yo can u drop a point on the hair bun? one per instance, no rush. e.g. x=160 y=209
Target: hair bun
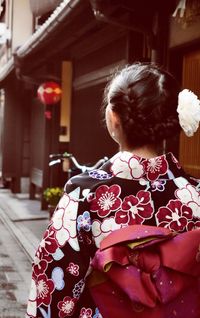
x=145 y=98
x=163 y=130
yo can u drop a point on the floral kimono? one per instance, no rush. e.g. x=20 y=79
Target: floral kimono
x=157 y=206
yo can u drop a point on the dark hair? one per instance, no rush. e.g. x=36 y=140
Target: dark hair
x=145 y=97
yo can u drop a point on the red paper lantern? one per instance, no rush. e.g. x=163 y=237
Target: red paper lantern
x=49 y=93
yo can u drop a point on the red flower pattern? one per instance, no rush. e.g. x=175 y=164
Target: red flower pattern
x=135 y=209
x=155 y=167
x=41 y=261
x=106 y=200
x=39 y=266
x=66 y=307
x=122 y=217
x=117 y=211
x=174 y=216
x=192 y=225
x=45 y=288
x=48 y=243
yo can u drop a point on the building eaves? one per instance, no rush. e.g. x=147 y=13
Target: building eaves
x=43 y=33
x=47 y=28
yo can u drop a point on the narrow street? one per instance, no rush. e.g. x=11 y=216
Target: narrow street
x=21 y=228
x=83 y=80
x=15 y=269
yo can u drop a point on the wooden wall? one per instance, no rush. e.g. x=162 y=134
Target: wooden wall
x=190 y=147
x=15 y=158
x=92 y=68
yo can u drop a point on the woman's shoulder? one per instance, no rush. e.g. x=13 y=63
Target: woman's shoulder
x=88 y=180
x=124 y=168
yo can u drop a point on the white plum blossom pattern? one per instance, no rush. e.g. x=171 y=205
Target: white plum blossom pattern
x=64 y=201
x=126 y=191
x=85 y=313
x=73 y=269
x=101 y=229
x=128 y=166
x=125 y=165
x=64 y=222
x=32 y=306
x=191 y=197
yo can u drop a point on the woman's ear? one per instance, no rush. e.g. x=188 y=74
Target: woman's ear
x=115 y=121
x=112 y=119
x=113 y=124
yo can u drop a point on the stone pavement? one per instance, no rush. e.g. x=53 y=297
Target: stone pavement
x=15 y=269
x=21 y=226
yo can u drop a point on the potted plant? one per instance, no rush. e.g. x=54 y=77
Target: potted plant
x=52 y=196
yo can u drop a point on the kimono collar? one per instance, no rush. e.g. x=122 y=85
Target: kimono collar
x=125 y=165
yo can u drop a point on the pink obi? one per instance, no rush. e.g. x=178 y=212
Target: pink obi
x=146 y=271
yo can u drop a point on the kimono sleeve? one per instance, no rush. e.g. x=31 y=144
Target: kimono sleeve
x=61 y=261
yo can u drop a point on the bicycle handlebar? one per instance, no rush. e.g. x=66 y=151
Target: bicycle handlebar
x=83 y=168
x=54 y=162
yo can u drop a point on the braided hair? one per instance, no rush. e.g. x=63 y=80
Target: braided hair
x=145 y=97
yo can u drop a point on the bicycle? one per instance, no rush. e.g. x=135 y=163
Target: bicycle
x=70 y=165
x=67 y=159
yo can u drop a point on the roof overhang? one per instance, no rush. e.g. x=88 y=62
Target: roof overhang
x=35 y=49
x=42 y=36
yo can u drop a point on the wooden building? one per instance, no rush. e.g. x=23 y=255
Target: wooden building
x=78 y=45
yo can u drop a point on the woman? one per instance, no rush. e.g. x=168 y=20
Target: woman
x=146 y=196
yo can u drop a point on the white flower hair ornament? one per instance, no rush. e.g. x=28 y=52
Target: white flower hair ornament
x=188 y=111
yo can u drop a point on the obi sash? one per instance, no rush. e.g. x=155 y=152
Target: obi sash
x=145 y=271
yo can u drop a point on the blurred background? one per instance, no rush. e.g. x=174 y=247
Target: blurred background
x=55 y=59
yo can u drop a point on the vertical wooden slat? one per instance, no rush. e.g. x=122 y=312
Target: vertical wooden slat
x=65 y=113
x=190 y=147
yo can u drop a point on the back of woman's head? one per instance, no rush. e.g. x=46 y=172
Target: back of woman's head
x=145 y=97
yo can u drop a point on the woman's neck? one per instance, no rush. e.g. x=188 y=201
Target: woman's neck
x=144 y=152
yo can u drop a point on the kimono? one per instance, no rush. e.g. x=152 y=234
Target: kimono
x=156 y=205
